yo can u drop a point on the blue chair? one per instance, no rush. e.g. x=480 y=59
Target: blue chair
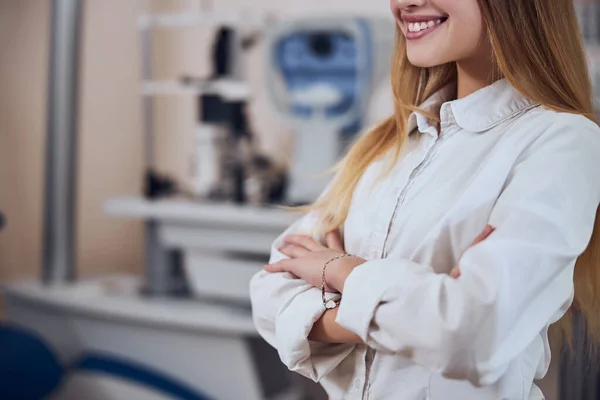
x=29 y=370
x=122 y=369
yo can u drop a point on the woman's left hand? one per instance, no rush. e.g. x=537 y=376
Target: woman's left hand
x=307 y=258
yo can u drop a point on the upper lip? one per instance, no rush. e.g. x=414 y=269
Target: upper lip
x=420 y=18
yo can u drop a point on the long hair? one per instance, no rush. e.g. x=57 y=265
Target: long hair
x=537 y=47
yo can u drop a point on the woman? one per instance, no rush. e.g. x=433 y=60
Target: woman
x=488 y=166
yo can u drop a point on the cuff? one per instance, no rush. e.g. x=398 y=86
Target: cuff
x=360 y=298
x=364 y=290
x=293 y=326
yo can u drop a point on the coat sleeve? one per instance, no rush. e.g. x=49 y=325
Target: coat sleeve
x=284 y=310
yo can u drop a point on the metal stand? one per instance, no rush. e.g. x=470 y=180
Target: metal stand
x=157 y=263
x=157 y=260
x=61 y=143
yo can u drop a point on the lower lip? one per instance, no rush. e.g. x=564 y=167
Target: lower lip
x=420 y=34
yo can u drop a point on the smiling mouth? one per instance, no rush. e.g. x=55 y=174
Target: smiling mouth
x=425 y=25
x=418 y=29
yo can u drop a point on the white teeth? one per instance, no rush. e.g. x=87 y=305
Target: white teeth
x=420 y=26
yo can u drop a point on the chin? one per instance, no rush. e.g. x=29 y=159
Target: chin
x=425 y=61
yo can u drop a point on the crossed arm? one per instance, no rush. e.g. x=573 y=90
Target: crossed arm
x=304 y=253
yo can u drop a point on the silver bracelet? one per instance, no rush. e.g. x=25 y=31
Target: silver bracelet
x=331 y=304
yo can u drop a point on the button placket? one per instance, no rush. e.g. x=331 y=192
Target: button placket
x=380 y=240
x=387 y=204
x=431 y=146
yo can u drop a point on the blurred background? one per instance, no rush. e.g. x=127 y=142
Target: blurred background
x=144 y=145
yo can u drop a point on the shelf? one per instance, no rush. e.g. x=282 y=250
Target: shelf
x=227 y=89
x=192 y=19
x=189 y=212
x=118 y=298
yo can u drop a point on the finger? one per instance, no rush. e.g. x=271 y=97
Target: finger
x=455 y=273
x=293 y=251
x=280 y=266
x=487 y=231
x=334 y=240
x=304 y=241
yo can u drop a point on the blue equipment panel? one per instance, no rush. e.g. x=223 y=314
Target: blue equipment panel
x=307 y=58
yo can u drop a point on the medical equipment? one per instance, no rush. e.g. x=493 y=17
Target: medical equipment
x=207 y=342
x=222 y=128
x=194 y=343
x=227 y=164
x=321 y=72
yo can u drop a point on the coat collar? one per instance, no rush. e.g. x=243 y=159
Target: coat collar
x=477 y=112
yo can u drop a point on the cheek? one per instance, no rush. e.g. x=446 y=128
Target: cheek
x=466 y=35
x=467 y=28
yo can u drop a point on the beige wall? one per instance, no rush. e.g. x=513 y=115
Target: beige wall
x=109 y=163
x=23 y=27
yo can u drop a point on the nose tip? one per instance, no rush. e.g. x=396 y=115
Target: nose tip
x=409 y=3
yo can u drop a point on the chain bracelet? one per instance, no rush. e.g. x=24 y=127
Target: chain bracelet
x=331 y=303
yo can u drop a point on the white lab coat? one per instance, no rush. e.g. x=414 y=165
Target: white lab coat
x=500 y=159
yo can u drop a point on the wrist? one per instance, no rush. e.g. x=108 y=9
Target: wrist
x=340 y=272
x=326 y=330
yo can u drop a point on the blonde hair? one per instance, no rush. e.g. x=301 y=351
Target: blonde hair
x=538 y=49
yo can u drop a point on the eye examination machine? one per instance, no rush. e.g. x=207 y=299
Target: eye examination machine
x=321 y=75
x=184 y=329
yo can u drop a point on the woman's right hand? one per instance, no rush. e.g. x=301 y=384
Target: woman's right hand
x=487 y=231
